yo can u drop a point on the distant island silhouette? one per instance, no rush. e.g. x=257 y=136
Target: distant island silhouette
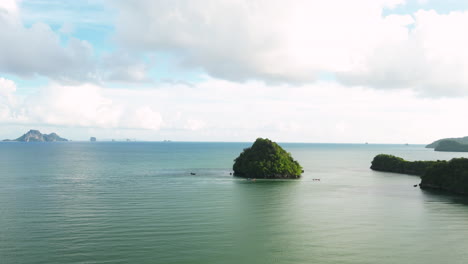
x=451 y=146
x=461 y=140
x=36 y=136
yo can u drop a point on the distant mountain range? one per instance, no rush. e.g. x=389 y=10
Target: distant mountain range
x=462 y=140
x=36 y=136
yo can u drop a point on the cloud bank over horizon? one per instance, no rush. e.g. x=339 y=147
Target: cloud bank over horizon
x=296 y=42
x=233 y=70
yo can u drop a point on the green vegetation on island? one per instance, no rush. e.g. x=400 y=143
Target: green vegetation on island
x=452 y=146
x=450 y=176
x=266 y=159
x=36 y=136
x=390 y=163
x=462 y=140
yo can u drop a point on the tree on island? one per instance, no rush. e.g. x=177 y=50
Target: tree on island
x=390 y=163
x=450 y=176
x=266 y=159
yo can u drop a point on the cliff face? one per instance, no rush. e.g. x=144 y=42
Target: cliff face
x=36 y=136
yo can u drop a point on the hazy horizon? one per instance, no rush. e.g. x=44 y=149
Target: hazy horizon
x=129 y=139
x=387 y=71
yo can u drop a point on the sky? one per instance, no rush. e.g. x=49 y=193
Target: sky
x=335 y=71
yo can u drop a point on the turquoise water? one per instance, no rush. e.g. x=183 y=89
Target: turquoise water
x=137 y=203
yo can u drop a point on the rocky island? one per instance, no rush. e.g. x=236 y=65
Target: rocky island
x=266 y=159
x=450 y=176
x=36 y=136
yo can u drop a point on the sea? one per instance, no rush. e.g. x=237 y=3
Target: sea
x=139 y=202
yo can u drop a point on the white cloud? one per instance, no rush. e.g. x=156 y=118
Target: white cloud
x=240 y=40
x=7 y=89
x=120 y=66
x=38 y=50
x=7 y=99
x=74 y=106
x=82 y=105
x=143 y=118
x=220 y=110
x=261 y=39
x=9 y=9
x=193 y=124
x=431 y=58
x=296 y=41
x=262 y=60
x=67 y=28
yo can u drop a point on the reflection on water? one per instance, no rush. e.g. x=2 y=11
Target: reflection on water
x=138 y=203
x=439 y=196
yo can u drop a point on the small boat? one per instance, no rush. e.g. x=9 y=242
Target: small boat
x=193 y=173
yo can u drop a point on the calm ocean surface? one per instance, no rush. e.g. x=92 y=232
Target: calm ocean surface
x=136 y=202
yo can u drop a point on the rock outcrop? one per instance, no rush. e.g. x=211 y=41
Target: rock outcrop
x=36 y=136
x=266 y=159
